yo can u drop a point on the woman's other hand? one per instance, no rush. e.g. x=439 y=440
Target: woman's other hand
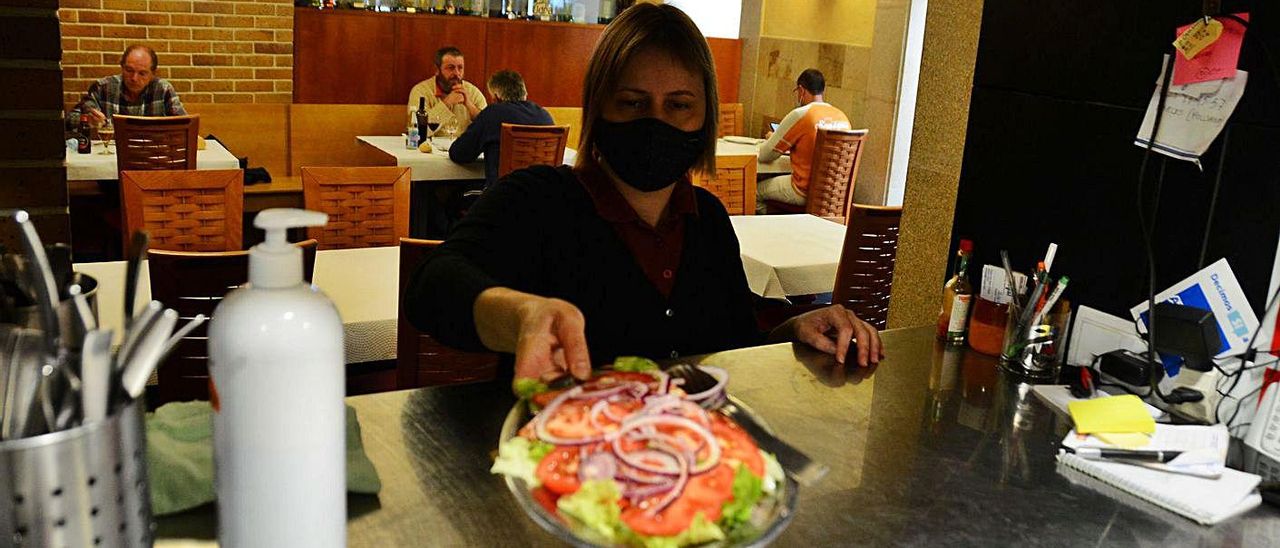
x=832 y=329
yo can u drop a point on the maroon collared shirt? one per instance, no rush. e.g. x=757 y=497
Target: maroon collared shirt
x=656 y=249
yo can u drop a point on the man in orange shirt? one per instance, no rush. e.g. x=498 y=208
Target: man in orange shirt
x=796 y=134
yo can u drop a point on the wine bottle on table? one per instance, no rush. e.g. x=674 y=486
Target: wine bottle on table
x=83 y=144
x=957 y=295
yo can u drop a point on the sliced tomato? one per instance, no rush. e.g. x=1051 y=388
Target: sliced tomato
x=558 y=471
x=736 y=445
x=709 y=490
x=571 y=420
x=546 y=499
x=669 y=522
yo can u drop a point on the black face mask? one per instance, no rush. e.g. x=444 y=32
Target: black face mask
x=647 y=153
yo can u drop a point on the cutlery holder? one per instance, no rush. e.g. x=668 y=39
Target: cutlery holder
x=86 y=486
x=68 y=325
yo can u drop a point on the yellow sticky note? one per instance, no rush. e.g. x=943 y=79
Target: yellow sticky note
x=1120 y=414
x=1198 y=36
x=1124 y=441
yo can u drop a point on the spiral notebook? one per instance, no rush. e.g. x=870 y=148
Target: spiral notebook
x=1206 y=501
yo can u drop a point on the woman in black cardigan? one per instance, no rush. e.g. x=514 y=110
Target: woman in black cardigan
x=620 y=253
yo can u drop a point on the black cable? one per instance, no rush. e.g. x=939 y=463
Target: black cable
x=1213 y=200
x=1152 y=364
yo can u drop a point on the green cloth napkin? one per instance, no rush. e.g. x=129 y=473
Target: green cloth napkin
x=180 y=457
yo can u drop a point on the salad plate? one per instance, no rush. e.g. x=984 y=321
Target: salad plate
x=670 y=418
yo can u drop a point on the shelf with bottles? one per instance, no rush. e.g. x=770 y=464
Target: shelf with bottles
x=559 y=11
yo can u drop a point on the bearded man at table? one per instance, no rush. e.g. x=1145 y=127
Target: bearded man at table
x=136 y=91
x=448 y=96
x=796 y=134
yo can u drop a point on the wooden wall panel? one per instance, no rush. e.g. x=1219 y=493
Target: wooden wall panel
x=728 y=57
x=418 y=38
x=259 y=131
x=344 y=57
x=325 y=135
x=355 y=57
x=552 y=57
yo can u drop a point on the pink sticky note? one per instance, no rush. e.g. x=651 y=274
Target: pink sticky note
x=1216 y=61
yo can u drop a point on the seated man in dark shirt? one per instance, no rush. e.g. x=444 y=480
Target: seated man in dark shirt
x=510 y=106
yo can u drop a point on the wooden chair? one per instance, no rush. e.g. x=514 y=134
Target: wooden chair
x=195 y=283
x=367 y=206
x=731 y=120
x=865 y=274
x=523 y=146
x=734 y=183
x=765 y=120
x=420 y=359
x=145 y=143
x=836 y=153
x=185 y=210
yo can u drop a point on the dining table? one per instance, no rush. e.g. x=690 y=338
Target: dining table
x=102 y=167
x=789 y=255
x=363 y=282
x=436 y=165
x=934 y=446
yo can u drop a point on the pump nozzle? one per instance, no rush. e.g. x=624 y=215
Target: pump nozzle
x=275 y=262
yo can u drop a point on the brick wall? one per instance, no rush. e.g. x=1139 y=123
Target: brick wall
x=212 y=51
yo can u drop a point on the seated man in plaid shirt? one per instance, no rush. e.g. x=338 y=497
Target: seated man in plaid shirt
x=135 y=91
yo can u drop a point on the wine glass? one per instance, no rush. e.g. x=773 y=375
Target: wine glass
x=433 y=124
x=451 y=128
x=106 y=134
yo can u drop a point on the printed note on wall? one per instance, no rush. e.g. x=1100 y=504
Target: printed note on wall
x=1194 y=115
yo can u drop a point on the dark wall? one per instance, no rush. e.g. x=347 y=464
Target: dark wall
x=1059 y=92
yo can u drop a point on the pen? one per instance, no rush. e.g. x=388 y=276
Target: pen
x=1052 y=300
x=1008 y=277
x=1103 y=453
x=1048 y=257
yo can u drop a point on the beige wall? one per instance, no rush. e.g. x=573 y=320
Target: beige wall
x=857 y=44
x=847 y=22
x=937 y=149
x=212 y=51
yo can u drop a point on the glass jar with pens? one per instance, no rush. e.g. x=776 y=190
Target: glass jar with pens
x=1036 y=326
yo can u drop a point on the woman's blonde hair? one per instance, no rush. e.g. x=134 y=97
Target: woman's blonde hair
x=641 y=27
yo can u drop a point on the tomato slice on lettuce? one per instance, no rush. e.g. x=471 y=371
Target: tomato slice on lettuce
x=736 y=445
x=671 y=521
x=558 y=471
x=709 y=490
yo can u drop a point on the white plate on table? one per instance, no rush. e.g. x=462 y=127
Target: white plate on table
x=743 y=140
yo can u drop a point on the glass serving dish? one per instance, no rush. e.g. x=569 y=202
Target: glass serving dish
x=770 y=517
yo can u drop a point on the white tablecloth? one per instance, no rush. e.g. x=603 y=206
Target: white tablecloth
x=434 y=165
x=777 y=167
x=102 y=167
x=789 y=254
x=362 y=283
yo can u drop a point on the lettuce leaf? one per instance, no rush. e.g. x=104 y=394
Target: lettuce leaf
x=525 y=388
x=634 y=364
x=773 y=474
x=700 y=530
x=595 y=506
x=519 y=457
x=747 y=490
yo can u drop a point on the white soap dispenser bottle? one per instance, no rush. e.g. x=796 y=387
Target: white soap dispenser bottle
x=277 y=382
